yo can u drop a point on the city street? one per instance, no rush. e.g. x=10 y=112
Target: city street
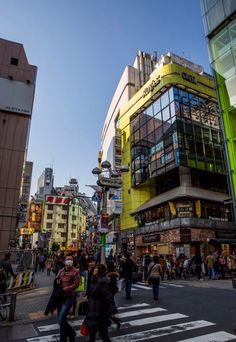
x=186 y=311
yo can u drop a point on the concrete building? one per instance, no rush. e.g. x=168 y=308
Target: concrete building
x=17 y=86
x=45 y=183
x=173 y=196
x=25 y=193
x=219 y=18
x=63 y=221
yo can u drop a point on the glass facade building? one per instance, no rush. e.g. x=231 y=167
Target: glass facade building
x=219 y=18
x=179 y=129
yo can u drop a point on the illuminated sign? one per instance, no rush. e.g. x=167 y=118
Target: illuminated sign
x=26 y=231
x=151 y=86
x=59 y=200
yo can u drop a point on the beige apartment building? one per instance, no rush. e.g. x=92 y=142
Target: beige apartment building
x=17 y=87
x=65 y=222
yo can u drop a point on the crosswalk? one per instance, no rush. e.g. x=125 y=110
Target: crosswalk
x=143 y=321
x=142 y=286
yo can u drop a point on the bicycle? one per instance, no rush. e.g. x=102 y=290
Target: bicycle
x=4 y=306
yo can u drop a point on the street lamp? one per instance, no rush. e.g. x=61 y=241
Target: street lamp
x=113 y=181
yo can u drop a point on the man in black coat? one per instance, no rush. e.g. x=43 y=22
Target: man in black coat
x=127 y=267
x=101 y=305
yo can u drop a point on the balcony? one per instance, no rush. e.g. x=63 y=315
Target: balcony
x=188 y=222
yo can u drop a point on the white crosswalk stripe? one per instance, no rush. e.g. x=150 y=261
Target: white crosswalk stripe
x=146 y=326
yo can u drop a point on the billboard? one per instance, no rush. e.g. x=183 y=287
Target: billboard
x=16 y=96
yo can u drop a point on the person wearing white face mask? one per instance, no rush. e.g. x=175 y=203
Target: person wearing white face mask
x=68 y=279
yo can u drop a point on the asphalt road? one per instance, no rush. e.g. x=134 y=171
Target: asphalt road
x=183 y=313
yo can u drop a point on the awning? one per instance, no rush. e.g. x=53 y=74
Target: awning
x=182 y=191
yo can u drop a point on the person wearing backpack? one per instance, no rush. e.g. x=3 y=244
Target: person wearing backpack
x=127 y=268
x=154 y=275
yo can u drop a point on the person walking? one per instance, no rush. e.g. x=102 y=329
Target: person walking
x=49 y=263
x=154 y=274
x=41 y=262
x=127 y=268
x=68 y=279
x=6 y=264
x=210 y=260
x=101 y=305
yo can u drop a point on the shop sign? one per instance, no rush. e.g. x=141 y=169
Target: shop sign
x=59 y=200
x=189 y=77
x=26 y=231
x=227 y=234
x=151 y=238
x=184 y=209
x=109 y=182
x=185 y=235
x=151 y=86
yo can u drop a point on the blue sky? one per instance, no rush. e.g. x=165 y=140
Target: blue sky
x=81 y=48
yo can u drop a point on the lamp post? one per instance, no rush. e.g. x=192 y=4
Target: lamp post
x=113 y=181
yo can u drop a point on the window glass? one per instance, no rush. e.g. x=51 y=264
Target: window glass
x=149 y=111
x=171 y=94
x=224 y=65
x=166 y=114
x=220 y=44
x=157 y=106
x=215 y=15
x=164 y=100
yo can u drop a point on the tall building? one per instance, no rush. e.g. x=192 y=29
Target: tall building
x=25 y=193
x=17 y=86
x=133 y=78
x=173 y=196
x=219 y=18
x=45 y=183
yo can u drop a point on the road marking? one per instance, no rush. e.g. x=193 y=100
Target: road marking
x=220 y=336
x=155 y=319
x=139 y=312
x=172 y=329
x=174 y=285
x=55 y=326
x=49 y=338
x=142 y=287
x=161 y=287
x=128 y=306
x=49 y=327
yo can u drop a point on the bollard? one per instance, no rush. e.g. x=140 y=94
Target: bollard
x=12 y=308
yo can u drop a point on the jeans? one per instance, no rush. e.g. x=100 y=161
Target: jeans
x=128 y=285
x=65 y=329
x=211 y=272
x=155 y=287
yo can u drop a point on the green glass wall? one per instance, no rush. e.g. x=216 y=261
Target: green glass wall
x=219 y=18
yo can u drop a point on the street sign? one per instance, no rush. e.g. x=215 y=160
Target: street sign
x=103 y=230
x=109 y=182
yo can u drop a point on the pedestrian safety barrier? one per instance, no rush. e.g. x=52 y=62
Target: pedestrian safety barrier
x=22 y=280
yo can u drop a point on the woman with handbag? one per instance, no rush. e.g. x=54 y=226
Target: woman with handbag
x=101 y=305
x=154 y=274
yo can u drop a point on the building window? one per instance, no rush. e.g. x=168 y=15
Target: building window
x=63 y=235
x=73 y=226
x=73 y=235
x=49 y=216
x=64 y=207
x=73 y=217
x=64 y=217
x=50 y=207
x=63 y=244
x=61 y=225
x=49 y=225
x=14 y=61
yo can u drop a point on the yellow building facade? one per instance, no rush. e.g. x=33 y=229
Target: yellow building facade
x=163 y=127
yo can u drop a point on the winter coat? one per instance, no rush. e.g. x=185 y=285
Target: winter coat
x=69 y=280
x=56 y=298
x=101 y=303
x=113 y=276
x=127 y=268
